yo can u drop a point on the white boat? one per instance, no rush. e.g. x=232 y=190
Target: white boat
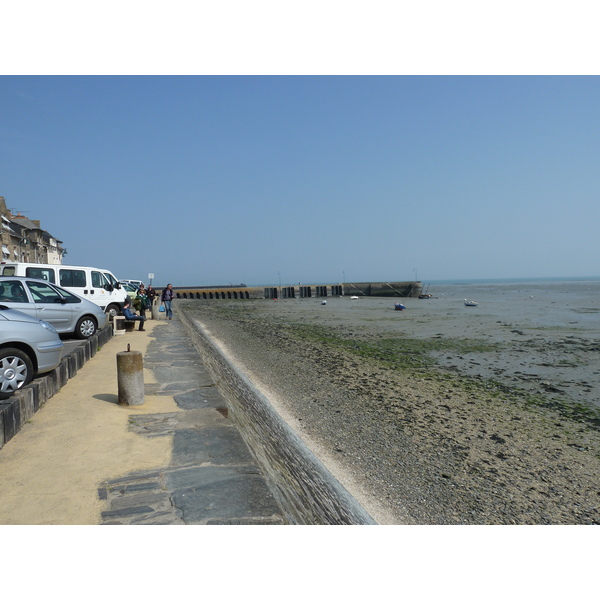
x=470 y=302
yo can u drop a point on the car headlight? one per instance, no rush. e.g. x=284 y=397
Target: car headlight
x=48 y=326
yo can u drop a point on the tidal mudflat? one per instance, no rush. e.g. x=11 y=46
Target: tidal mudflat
x=439 y=414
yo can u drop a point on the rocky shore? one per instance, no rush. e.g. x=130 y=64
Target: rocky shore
x=405 y=423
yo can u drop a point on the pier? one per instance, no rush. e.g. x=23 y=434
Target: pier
x=396 y=289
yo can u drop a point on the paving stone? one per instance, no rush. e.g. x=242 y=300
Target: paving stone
x=205 y=397
x=212 y=477
x=220 y=493
x=133 y=510
x=154 y=425
x=270 y=520
x=211 y=445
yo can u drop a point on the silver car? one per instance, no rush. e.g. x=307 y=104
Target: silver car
x=65 y=311
x=28 y=347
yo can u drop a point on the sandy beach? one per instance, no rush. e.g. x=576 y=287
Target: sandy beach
x=439 y=414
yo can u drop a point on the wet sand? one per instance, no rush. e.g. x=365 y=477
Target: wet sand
x=433 y=415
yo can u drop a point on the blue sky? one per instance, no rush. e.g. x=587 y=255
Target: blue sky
x=219 y=179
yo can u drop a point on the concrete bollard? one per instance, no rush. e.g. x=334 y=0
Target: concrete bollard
x=155 y=314
x=130 y=377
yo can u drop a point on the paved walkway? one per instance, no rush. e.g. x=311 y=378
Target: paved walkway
x=177 y=459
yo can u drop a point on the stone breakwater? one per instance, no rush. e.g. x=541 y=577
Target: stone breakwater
x=415 y=442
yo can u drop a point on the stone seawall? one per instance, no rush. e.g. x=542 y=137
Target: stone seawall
x=396 y=289
x=305 y=489
x=21 y=406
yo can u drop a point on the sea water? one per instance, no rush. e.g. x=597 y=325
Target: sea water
x=549 y=332
x=552 y=303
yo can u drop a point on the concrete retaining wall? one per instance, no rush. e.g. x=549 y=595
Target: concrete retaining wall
x=305 y=489
x=25 y=402
x=397 y=289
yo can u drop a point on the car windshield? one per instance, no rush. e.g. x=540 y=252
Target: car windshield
x=110 y=278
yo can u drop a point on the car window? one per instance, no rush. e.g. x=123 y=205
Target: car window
x=111 y=279
x=40 y=273
x=98 y=280
x=70 y=298
x=13 y=291
x=43 y=293
x=72 y=278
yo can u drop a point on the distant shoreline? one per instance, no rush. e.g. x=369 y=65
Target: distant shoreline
x=509 y=280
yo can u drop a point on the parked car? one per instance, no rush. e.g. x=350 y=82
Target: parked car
x=135 y=283
x=66 y=312
x=131 y=290
x=28 y=347
x=96 y=285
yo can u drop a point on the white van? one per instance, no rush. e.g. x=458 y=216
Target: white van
x=97 y=285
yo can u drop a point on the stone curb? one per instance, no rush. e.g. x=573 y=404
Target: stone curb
x=25 y=402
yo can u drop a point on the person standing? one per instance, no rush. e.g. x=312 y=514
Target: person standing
x=140 y=302
x=150 y=295
x=166 y=298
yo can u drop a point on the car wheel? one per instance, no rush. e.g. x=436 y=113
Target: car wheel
x=112 y=310
x=16 y=370
x=86 y=327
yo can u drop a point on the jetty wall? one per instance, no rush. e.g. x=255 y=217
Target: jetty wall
x=397 y=289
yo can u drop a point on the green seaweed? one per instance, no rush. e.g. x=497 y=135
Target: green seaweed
x=415 y=358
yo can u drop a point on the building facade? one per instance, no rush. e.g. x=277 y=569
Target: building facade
x=23 y=240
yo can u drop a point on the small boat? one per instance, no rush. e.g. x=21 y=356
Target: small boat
x=470 y=302
x=425 y=295
x=398 y=306
x=353 y=297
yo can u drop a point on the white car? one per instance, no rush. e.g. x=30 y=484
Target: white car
x=135 y=283
x=66 y=312
x=28 y=347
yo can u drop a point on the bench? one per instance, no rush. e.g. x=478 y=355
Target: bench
x=129 y=325
x=122 y=325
